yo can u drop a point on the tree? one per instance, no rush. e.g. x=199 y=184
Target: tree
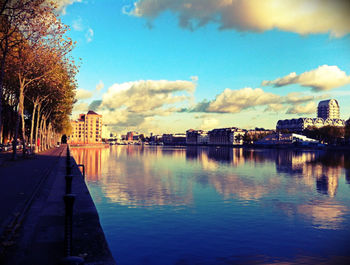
x=15 y=16
x=37 y=56
x=37 y=77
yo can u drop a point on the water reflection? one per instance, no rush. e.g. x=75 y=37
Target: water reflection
x=326 y=215
x=208 y=205
x=148 y=176
x=92 y=158
x=129 y=179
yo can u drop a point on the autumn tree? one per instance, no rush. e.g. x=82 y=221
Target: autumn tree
x=37 y=77
x=15 y=17
x=42 y=48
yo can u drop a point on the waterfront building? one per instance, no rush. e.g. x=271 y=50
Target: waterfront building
x=87 y=129
x=226 y=136
x=286 y=139
x=256 y=134
x=299 y=125
x=327 y=115
x=129 y=136
x=174 y=139
x=196 y=137
x=328 y=109
x=155 y=139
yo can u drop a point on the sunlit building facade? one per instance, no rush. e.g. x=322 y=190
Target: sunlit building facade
x=226 y=136
x=327 y=115
x=328 y=109
x=196 y=137
x=87 y=129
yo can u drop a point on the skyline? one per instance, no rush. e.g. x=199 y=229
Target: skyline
x=202 y=65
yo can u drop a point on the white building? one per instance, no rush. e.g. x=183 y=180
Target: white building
x=328 y=109
x=286 y=138
x=327 y=115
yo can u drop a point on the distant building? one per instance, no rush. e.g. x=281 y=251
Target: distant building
x=256 y=134
x=87 y=129
x=174 y=139
x=286 y=138
x=327 y=115
x=226 y=136
x=155 y=139
x=196 y=137
x=299 y=125
x=328 y=109
x=130 y=136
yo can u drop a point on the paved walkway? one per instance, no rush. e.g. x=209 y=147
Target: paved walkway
x=32 y=227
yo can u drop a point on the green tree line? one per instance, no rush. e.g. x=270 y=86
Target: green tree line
x=37 y=74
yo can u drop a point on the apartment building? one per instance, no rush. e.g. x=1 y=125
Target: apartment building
x=328 y=114
x=328 y=109
x=196 y=137
x=87 y=129
x=226 y=136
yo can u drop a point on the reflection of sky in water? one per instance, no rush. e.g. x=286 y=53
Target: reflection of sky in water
x=168 y=205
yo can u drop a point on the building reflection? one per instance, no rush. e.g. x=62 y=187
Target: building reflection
x=316 y=169
x=347 y=176
x=125 y=177
x=221 y=154
x=145 y=175
x=92 y=160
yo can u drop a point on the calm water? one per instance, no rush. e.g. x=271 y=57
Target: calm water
x=168 y=205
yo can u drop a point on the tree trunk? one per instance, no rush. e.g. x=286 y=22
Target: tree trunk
x=21 y=111
x=15 y=136
x=2 y=75
x=41 y=135
x=32 y=126
x=37 y=129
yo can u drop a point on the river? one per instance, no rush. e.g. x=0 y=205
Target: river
x=201 y=205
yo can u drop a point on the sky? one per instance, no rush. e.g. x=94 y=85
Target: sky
x=165 y=66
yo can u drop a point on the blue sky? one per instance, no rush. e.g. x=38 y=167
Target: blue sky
x=122 y=44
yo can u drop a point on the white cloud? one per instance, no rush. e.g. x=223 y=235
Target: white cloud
x=78 y=24
x=300 y=16
x=275 y=107
x=323 y=78
x=62 y=4
x=233 y=101
x=309 y=108
x=81 y=107
x=100 y=86
x=296 y=97
x=208 y=123
x=89 y=35
x=83 y=94
x=129 y=104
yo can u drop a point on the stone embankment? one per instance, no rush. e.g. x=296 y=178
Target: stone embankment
x=32 y=213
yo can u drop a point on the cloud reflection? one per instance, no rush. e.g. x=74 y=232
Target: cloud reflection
x=128 y=179
x=146 y=176
x=325 y=215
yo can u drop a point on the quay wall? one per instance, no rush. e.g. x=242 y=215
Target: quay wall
x=88 y=237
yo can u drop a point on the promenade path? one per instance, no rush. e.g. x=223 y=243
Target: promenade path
x=32 y=212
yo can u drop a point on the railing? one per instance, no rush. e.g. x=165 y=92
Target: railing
x=69 y=199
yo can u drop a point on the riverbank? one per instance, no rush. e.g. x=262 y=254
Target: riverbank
x=33 y=213
x=344 y=148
